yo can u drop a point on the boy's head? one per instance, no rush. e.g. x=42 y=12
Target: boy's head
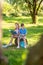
x=22 y=25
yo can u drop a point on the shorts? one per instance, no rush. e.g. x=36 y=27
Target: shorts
x=22 y=37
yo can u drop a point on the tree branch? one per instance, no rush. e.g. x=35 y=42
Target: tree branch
x=29 y=5
x=27 y=1
x=39 y=6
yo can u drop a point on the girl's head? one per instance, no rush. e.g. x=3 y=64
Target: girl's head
x=16 y=25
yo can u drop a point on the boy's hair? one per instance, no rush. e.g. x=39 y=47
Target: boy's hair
x=22 y=24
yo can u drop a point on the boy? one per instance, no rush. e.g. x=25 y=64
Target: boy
x=23 y=33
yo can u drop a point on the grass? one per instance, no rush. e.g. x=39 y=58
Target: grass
x=21 y=19
x=17 y=56
x=31 y=32
x=41 y=20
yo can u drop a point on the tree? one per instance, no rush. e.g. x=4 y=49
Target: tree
x=34 y=6
x=19 y=7
x=0 y=22
x=12 y=1
x=3 y=60
x=35 y=54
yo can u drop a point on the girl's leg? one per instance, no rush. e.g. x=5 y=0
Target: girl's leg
x=11 y=40
x=24 y=38
x=18 y=42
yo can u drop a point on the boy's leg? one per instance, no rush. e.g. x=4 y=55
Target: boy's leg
x=24 y=38
x=18 y=42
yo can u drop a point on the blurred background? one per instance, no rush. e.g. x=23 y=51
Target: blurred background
x=30 y=13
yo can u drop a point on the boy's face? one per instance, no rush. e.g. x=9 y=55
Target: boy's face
x=22 y=26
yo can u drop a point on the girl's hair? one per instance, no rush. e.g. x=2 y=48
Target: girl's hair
x=17 y=24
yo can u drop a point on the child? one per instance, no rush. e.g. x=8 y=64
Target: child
x=23 y=33
x=15 y=33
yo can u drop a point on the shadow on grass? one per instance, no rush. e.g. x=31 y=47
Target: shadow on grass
x=15 y=56
x=41 y=20
x=31 y=31
x=6 y=32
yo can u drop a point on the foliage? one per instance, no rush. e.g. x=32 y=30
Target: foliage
x=6 y=8
x=19 y=8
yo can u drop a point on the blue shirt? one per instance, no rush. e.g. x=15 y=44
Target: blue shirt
x=23 y=31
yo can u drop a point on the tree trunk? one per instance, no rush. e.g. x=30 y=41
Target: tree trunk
x=34 y=19
x=3 y=60
x=35 y=54
x=0 y=25
x=34 y=12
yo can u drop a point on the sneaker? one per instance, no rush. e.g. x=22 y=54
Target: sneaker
x=25 y=47
x=18 y=47
x=5 y=46
x=10 y=44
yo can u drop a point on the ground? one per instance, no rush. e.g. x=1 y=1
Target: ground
x=14 y=55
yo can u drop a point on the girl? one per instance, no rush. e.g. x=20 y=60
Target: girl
x=15 y=34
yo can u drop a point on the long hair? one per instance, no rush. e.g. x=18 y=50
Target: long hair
x=17 y=24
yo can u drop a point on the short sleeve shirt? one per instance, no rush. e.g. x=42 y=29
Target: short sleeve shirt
x=23 y=31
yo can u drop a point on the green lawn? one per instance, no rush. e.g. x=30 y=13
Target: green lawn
x=21 y=19
x=33 y=33
x=17 y=56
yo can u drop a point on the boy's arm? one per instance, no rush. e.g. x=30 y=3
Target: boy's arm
x=25 y=32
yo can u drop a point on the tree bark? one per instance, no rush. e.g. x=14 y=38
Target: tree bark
x=34 y=19
x=3 y=60
x=35 y=54
x=0 y=24
x=34 y=12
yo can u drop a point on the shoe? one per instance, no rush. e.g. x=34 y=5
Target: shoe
x=5 y=46
x=10 y=44
x=25 y=47
x=18 y=47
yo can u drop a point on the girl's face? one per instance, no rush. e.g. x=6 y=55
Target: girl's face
x=16 y=26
